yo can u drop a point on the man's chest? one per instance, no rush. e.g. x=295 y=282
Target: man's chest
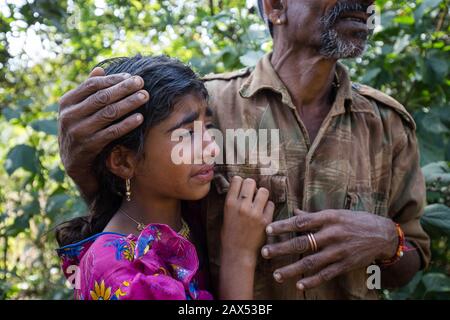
x=312 y=118
x=331 y=162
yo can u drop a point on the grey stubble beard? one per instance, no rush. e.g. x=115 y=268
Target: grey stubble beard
x=333 y=44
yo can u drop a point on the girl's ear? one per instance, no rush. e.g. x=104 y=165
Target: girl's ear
x=121 y=162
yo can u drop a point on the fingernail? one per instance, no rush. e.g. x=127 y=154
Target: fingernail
x=265 y=252
x=277 y=276
x=137 y=80
x=269 y=230
x=142 y=96
x=300 y=286
x=139 y=117
x=126 y=75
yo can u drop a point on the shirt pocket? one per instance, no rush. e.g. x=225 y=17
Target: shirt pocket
x=366 y=200
x=277 y=186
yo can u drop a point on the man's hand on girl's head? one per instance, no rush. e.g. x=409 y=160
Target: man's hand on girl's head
x=86 y=115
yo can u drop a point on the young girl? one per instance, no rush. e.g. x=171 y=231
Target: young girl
x=135 y=243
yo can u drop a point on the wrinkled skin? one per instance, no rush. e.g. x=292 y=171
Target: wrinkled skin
x=339 y=234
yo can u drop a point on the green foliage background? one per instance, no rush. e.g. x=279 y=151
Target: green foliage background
x=408 y=58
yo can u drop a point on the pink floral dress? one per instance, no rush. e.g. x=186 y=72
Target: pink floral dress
x=159 y=264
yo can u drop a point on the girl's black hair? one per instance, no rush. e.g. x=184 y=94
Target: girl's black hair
x=166 y=80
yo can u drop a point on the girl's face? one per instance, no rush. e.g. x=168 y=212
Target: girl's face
x=157 y=172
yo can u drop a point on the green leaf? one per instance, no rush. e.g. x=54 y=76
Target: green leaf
x=370 y=75
x=229 y=58
x=48 y=126
x=32 y=208
x=437 y=170
x=24 y=103
x=436 y=282
x=251 y=58
x=57 y=204
x=80 y=208
x=408 y=20
x=57 y=174
x=424 y=7
x=439 y=66
x=436 y=219
x=432 y=123
x=431 y=4
x=76 y=208
x=436 y=66
x=21 y=223
x=387 y=17
x=10 y=113
x=54 y=107
x=22 y=156
x=401 y=43
x=3 y=217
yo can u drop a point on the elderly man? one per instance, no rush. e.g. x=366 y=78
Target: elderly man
x=349 y=192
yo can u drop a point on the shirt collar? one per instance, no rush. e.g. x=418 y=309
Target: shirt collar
x=264 y=77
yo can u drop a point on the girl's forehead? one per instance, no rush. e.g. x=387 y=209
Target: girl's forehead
x=186 y=110
x=190 y=102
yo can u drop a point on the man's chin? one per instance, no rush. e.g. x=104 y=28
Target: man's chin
x=336 y=45
x=356 y=48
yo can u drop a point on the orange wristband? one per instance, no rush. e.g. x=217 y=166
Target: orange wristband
x=400 y=249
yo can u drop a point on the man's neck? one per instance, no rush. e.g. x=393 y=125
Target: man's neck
x=307 y=75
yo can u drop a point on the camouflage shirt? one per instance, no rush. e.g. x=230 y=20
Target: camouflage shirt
x=364 y=158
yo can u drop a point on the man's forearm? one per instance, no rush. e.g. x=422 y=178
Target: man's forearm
x=87 y=192
x=400 y=273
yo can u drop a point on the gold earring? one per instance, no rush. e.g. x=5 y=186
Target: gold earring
x=128 y=187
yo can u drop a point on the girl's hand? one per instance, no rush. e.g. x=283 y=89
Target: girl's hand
x=247 y=213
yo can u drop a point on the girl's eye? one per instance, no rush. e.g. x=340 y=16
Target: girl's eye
x=208 y=127
x=191 y=132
